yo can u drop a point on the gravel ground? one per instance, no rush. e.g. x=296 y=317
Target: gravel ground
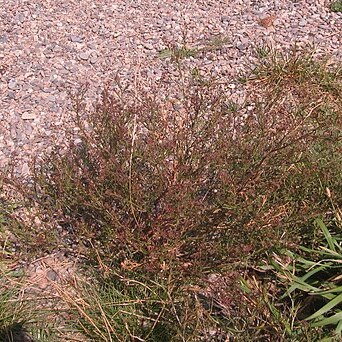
x=48 y=48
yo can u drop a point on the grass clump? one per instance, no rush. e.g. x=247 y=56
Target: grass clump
x=336 y=6
x=173 y=200
x=20 y=319
x=144 y=308
x=314 y=278
x=176 y=54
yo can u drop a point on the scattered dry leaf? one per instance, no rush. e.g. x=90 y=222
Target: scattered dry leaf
x=268 y=21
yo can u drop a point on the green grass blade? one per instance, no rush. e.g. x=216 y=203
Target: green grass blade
x=335 y=319
x=339 y=327
x=331 y=253
x=327 y=339
x=336 y=301
x=329 y=238
x=301 y=281
x=334 y=290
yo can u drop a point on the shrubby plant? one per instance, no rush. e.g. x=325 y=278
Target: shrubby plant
x=167 y=192
x=197 y=186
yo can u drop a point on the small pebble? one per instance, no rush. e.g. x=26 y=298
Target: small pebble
x=25 y=169
x=12 y=84
x=48 y=90
x=84 y=55
x=242 y=47
x=93 y=59
x=11 y=94
x=3 y=40
x=148 y=46
x=76 y=39
x=28 y=116
x=52 y=275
